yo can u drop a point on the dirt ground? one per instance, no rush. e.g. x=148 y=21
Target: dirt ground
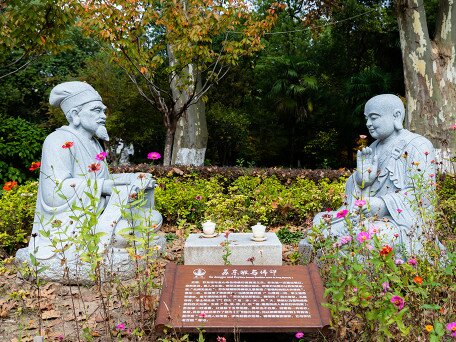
x=76 y=313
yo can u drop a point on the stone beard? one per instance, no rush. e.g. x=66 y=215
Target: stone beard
x=102 y=133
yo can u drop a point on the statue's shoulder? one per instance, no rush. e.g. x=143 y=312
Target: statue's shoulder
x=58 y=137
x=416 y=140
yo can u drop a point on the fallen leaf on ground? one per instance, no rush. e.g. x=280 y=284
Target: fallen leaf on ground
x=50 y=314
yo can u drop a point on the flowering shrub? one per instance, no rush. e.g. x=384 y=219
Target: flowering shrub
x=20 y=145
x=17 y=207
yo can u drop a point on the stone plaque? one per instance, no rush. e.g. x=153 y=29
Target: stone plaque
x=245 y=298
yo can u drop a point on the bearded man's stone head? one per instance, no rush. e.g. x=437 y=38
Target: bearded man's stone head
x=83 y=108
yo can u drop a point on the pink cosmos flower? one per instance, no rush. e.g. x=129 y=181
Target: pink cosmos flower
x=386 y=286
x=398 y=302
x=299 y=334
x=452 y=328
x=342 y=213
x=363 y=237
x=101 y=156
x=360 y=203
x=153 y=155
x=355 y=289
x=345 y=239
x=373 y=231
x=412 y=261
x=121 y=326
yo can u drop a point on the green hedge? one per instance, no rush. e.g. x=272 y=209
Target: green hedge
x=17 y=208
x=186 y=198
x=244 y=201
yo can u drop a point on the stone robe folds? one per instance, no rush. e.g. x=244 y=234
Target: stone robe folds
x=407 y=162
x=66 y=182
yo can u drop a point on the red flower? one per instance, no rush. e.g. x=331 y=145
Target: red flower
x=94 y=167
x=418 y=280
x=386 y=250
x=68 y=144
x=9 y=185
x=35 y=166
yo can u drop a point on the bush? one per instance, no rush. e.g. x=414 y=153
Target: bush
x=233 y=201
x=20 y=145
x=17 y=208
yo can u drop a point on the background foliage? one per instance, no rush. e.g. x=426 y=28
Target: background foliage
x=277 y=107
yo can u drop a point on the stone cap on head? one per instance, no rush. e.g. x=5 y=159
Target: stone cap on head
x=68 y=95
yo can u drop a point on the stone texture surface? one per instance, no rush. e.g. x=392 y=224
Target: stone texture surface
x=199 y=250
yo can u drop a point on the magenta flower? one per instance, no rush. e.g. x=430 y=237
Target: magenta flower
x=121 y=326
x=153 y=155
x=199 y=197
x=202 y=315
x=342 y=213
x=363 y=237
x=101 y=156
x=360 y=203
x=453 y=127
x=412 y=261
x=355 y=289
x=452 y=328
x=221 y=339
x=299 y=334
x=399 y=210
x=398 y=302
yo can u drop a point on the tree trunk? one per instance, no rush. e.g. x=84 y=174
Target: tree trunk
x=168 y=146
x=190 y=139
x=430 y=74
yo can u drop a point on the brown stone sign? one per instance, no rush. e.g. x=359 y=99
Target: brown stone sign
x=245 y=298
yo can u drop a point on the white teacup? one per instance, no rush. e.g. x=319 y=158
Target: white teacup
x=208 y=227
x=258 y=231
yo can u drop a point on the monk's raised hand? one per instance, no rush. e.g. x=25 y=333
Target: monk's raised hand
x=366 y=167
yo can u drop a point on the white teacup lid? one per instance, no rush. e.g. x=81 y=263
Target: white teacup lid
x=258 y=225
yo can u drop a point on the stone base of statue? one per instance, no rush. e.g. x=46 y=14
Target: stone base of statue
x=117 y=264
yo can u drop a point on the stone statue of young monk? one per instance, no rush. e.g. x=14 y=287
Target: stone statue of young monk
x=385 y=178
x=73 y=170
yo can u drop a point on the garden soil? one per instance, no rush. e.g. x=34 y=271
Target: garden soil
x=75 y=313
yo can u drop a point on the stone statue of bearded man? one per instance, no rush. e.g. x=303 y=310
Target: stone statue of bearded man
x=74 y=179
